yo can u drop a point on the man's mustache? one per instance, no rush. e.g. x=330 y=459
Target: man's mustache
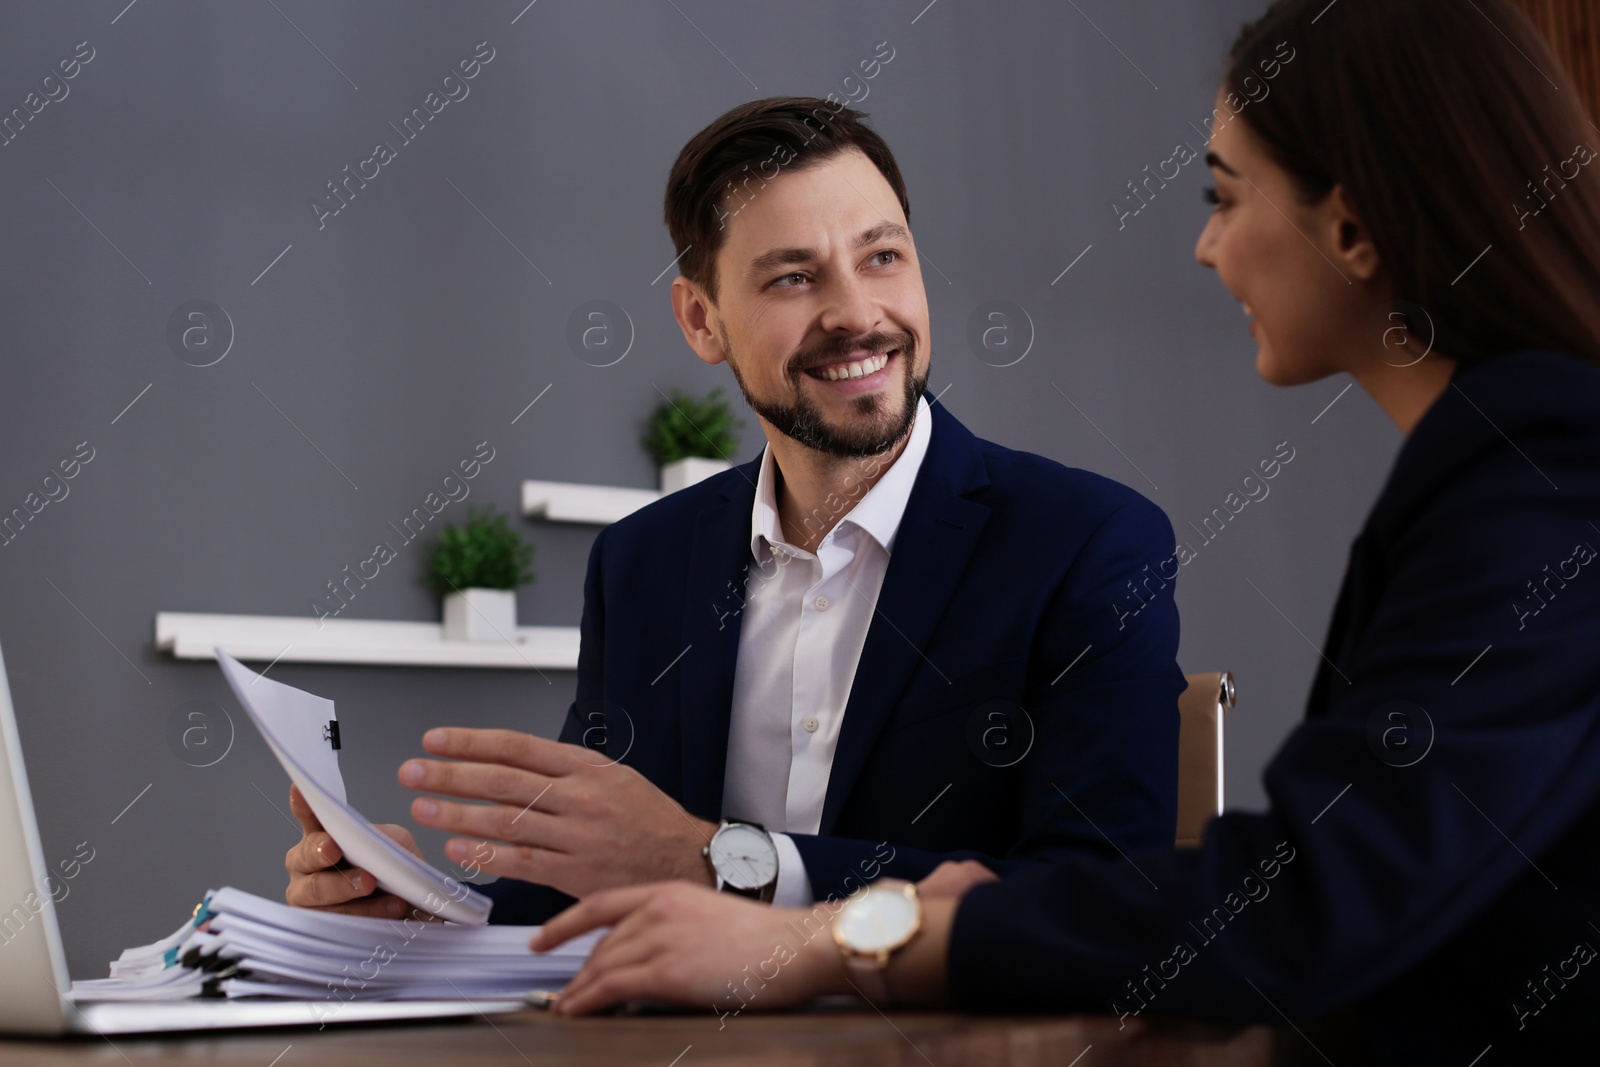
x=836 y=348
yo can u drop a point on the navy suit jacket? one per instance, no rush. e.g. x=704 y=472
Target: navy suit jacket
x=1009 y=582
x=1430 y=865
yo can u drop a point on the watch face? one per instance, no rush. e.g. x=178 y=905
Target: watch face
x=877 y=921
x=744 y=857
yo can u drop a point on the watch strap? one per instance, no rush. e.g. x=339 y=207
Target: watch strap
x=762 y=893
x=868 y=974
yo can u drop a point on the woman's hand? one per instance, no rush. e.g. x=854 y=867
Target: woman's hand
x=688 y=944
x=952 y=879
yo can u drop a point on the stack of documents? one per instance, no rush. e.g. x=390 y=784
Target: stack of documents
x=241 y=945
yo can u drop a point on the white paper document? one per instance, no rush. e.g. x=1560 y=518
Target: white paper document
x=302 y=732
x=237 y=944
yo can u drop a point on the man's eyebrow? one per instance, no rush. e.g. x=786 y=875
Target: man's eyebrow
x=1214 y=160
x=782 y=257
x=779 y=257
x=883 y=232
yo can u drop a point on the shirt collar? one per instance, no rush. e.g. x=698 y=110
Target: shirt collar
x=878 y=512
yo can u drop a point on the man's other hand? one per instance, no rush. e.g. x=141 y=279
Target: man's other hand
x=556 y=814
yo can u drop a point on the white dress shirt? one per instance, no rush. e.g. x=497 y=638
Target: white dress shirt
x=805 y=619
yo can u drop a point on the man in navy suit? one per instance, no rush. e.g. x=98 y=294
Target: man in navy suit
x=882 y=644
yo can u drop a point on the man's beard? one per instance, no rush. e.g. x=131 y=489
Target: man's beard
x=803 y=421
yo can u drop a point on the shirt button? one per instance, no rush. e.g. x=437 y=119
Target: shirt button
x=809 y=725
x=822 y=603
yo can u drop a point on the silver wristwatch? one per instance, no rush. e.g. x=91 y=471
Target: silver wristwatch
x=743 y=860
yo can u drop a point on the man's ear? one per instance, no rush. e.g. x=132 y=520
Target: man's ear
x=1349 y=242
x=696 y=314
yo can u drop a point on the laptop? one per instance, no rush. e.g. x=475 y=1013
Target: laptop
x=33 y=968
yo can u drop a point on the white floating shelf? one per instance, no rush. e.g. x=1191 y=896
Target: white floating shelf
x=275 y=638
x=571 y=502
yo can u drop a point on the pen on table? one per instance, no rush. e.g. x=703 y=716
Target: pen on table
x=549 y=998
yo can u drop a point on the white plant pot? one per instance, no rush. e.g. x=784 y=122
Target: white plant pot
x=682 y=473
x=480 y=615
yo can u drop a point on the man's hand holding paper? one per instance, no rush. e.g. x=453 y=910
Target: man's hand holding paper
x=316 y=880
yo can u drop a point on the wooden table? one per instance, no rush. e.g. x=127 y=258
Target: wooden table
x=837 y=1038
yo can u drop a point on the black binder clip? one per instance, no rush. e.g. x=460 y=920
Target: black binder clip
x=330 y=733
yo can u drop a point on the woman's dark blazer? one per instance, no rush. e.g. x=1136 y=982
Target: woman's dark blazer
x=1430 y=863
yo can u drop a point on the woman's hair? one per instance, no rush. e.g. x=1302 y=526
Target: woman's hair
x=1456 y=135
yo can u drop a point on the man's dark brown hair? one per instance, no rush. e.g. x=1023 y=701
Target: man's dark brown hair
x=726 y=165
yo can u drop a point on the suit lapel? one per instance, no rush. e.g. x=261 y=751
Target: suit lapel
x=713 y=599
x=936 y=537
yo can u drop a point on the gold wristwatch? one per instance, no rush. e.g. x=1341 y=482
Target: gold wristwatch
x=871 y=927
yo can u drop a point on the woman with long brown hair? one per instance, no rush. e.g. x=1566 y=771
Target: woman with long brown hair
x=1414 y=201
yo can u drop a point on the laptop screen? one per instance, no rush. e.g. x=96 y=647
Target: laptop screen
x=33 y=969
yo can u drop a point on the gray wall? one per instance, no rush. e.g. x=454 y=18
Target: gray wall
x=408 y=329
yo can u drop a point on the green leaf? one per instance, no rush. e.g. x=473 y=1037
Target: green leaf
x=683 y=427
x=484 y=552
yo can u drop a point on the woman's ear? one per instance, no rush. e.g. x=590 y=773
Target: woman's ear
x=1350 y=243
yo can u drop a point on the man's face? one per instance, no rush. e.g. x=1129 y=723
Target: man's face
x=820 y=309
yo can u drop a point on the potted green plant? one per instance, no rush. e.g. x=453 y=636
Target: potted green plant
x=477 y=567
x=691 y=439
